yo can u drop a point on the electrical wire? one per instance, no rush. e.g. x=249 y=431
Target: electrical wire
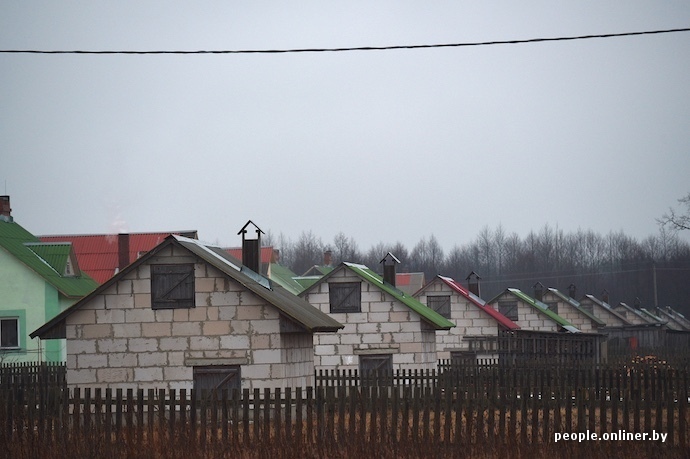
x=359 y=48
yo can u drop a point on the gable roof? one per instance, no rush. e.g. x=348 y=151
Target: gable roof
x=285 y=277
x=98 y=254
x=47 y=260
x=676 y=318
x=481 y=304
x=430 y=316
x=576 y=304
x=540 y=307
x=645 y=317
x=290 y=305
x=607 y=307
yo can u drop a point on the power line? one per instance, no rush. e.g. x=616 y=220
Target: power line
x=359 y=48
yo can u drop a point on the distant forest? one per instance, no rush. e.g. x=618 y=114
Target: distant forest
x=654 y=271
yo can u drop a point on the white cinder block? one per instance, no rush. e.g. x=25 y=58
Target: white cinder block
x=148 y=374
x=234 y=342
x=142 y=344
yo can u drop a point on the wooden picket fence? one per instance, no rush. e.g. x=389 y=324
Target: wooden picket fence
x=328 y=416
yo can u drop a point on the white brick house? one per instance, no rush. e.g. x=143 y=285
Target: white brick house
x=477 y=325
x=603 y=311
x=385 y=329
x=567 y=307
x=187 y=315
x=528 y=313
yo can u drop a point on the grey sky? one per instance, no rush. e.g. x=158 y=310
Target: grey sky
x=382 y=145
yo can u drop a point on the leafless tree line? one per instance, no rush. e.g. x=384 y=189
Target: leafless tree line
x=626 y=267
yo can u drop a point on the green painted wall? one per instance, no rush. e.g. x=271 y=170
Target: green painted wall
x=29 y=297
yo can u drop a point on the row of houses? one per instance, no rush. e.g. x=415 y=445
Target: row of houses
x=182 y=314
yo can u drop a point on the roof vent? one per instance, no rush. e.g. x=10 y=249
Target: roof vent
x=389 y=262
x=539 y=291
x=251 y=248
x=473 y=283
x=571 y=291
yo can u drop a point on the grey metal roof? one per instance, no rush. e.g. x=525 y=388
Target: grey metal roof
x=290 y=305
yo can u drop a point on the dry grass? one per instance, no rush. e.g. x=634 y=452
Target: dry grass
x=368 y=439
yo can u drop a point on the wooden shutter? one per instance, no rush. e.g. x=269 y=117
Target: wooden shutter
x=376 y=370
x=508 y=309
x=345 y=296
x=216 y=377
x=440 y=304
x=172 y=286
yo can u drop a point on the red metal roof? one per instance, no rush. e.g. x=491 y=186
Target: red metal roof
x=481 y=304
x=266 y=253
x=98 y=256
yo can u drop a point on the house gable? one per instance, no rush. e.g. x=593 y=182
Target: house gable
x=524 y=311
x=383 y=326
x=116 y=338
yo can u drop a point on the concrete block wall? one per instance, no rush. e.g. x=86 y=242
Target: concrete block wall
x=602 y=313
x=116 y=340
x=570 y=313
x=528 y=318
x=384 y=326
x=468 y=318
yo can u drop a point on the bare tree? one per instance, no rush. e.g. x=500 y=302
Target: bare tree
x=345 y=249
x=308 y=252
x=679 y=220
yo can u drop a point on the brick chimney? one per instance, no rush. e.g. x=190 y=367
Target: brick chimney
x=473 y=283
x=389 y=262
x=251 y=248
x=538 y=291
x=5 y=209
x=122 y=251
x=605 y=296
x=327 y=258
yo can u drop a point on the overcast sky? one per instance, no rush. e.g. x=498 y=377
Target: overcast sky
x=381 y=145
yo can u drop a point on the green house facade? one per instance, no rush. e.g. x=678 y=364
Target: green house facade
x=37 y=282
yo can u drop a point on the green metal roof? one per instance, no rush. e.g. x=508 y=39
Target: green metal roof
x=46 y=260
x=283 y=276
x=543 y=308
x=428 y=314
x=55 y=254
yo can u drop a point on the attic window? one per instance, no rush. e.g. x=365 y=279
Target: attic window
x=508 y=309
x=440 y=304
x=345 y=297
x=172 y=286
x=553 y=307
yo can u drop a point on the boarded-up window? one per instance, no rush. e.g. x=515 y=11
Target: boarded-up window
x=553 y=307
x=440 y=304
x=345 y=296
x=172 y=286
x=376 y=369
x=508 y=309
x=462 y=358
x=216 y=377
x=9 y=333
